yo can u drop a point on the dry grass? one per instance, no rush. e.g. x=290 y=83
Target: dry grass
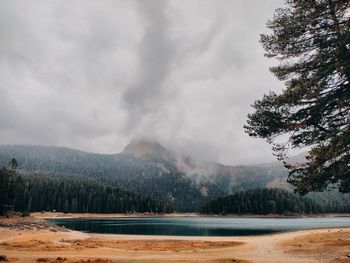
x=152 y=245
x=100 y=260
x=65 y=260
x=331 y=246
x=36 y=245
x=32 y=245
x=225 y=260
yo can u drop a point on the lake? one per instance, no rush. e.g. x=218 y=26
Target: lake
x=199 y=226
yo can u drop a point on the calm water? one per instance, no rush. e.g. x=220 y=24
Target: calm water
x=199 y=226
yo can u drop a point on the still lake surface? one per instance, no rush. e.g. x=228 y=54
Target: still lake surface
x=199 y=226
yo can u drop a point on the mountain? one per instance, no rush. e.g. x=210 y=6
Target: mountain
x=142 y=148
x=147 y=168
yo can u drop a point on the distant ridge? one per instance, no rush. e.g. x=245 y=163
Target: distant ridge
x=146 y=167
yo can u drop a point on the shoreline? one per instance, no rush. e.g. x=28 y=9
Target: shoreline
x=61 y=215
x=74 y=246
x=42 y=242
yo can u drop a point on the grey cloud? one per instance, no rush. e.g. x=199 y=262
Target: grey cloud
x=93 y=74
x=156 y=51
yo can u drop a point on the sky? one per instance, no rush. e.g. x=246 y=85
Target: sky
x=93 y=75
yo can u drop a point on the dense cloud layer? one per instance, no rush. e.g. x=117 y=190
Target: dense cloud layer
x=93 y=74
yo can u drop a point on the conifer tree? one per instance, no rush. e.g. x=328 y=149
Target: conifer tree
x=311 y=40
x=4 y=190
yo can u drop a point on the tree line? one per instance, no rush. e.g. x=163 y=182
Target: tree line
x=155 y=178
x=40 y=192
x=275 y=201
x=10 y=187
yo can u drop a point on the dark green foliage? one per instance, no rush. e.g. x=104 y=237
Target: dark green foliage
x=153 y=176
x=33 y=192
x=276 y=201
x=331 y=201
x=13 y=164
x=11 y=188
x=157 y=179
x=81 y=195
x=5 y=202
x=78 y=193
x=311 y=39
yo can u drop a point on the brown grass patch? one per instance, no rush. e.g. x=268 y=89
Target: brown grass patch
x=332 y=245
x=96 y=260
x=65 y=260
x=31 y=245
x=225 y=260
x=38 y=245
x=152 y=245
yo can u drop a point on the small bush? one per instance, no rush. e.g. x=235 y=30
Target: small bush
x=25 y=214
x=42 y=260
x=3 y=258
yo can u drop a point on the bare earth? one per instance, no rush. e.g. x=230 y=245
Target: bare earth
x=33 y=240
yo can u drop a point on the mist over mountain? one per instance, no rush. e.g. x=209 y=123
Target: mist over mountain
x=155 y=69
x=141 y=148
x=146 y=167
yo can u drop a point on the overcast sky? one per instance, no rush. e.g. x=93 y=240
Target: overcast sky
x=92 y=75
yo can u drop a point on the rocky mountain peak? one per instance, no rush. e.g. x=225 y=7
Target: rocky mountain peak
x=141 y=147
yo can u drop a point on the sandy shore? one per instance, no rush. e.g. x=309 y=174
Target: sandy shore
x=50 y=244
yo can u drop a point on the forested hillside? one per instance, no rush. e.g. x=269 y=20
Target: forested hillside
x=157 y=179
x=77 y=195
x=276 y=201
x=146 y=169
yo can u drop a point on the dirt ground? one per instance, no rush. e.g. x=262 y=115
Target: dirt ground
x=330 y=245
x=33 y=240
